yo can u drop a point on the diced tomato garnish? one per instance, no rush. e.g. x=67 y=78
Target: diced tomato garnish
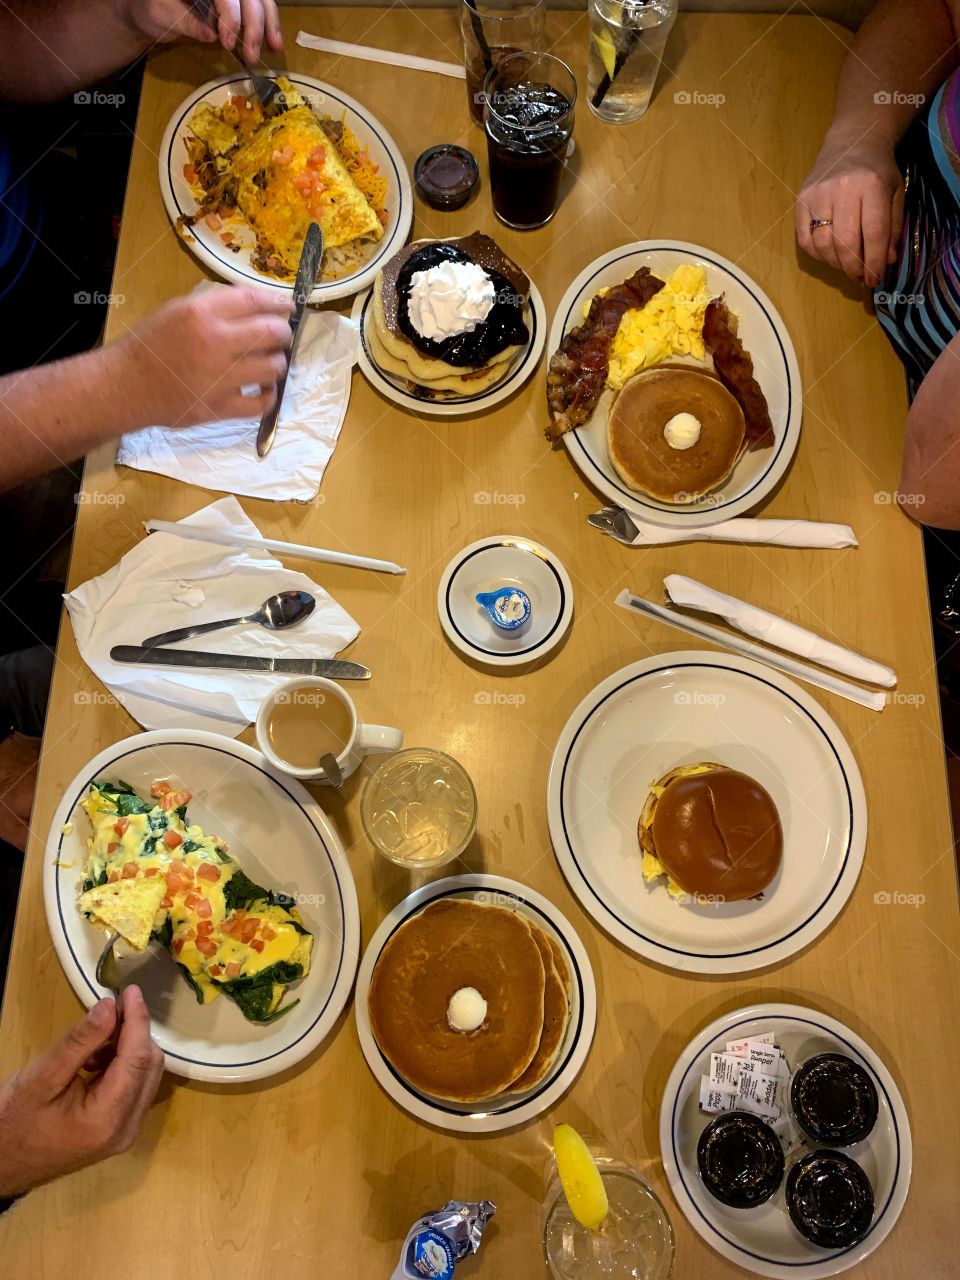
x=303 y=181
x=382 y=215
x=257 y=944
x=129 y=871
x=181 y=797
x=240 y=101
x=204 y=928
x=233 y=969
x=152 y=871
x=204 y=909
x=249 y=929
x=159 y=789
x=206 y=946
x=191 y=901
x=317 y=157
x=174 y=883
x=167 y=901
x=213 y=221
x=113 y=877
x=190 y=172
x=187 y=873
x=178 y=944
x=172 y=839
x=176 y=865
x=215 y=971
x=226 y=237
x=113 y=846
x=268 y=933
x=121 y=825
x=273 y=262
x=208 y=872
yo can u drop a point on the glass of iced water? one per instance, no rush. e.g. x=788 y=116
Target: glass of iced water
x=419 y=808
x=626 y=47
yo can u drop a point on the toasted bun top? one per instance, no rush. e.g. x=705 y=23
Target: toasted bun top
x=718 y=833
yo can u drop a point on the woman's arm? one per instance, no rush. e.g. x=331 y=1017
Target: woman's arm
x=930 y=478
x=900 y=57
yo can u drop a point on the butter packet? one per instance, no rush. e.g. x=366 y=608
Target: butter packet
x=438 y=1241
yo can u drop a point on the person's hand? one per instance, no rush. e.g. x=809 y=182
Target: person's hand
x=19 y=757
x=187 y=362
x=861 y=189
x=164 y=20
x=54 y=1120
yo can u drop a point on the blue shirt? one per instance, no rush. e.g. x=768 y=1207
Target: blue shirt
x=17 y=245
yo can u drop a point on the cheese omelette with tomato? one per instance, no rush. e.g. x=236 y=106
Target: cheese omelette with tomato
x=151 y=875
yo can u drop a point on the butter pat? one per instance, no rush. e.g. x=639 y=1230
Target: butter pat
x=682 y=431
x=467 y=1010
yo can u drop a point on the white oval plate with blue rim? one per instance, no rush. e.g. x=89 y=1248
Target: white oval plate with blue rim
x=763 y=334
x=764 y=1240
x=508 y=1110
x=281 y=839
x=684 y=708
x=238 y=268
x=394 y=388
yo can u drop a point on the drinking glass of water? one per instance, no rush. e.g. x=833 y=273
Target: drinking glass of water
x=627 y=40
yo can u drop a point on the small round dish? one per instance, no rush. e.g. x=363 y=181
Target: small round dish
x=398 y=390
x=446 y=176
x=487 y=565
x=829 y=1199
x=508 y=1110
x=833 y=1100
x=740 y=1159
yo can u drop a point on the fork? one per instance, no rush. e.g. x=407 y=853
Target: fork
x=265 y=88
x=616 y=522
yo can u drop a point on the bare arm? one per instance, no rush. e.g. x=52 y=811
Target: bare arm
x=183 y=365
x=49 y=48
x=930 y=479
x=901 y=55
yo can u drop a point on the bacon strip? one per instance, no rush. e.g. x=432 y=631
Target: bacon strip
x=578 y=368
x=734 y=368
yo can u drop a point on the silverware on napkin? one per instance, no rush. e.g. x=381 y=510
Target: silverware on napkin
x=307 y=273
x=332 y=668
x=616 y=522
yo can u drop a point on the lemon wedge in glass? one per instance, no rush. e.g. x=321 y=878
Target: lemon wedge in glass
x=607 y=51
x=580 y=1178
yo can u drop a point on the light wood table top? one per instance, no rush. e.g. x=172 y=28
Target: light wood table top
x=298 y=1176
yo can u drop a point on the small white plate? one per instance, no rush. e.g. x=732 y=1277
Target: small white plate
x=394 y=388
x=764 y=1240
x=281 y=839
x=763 y=334
x=503 y=561
x=683 y=708
x=510 y=1110
x=238 y=268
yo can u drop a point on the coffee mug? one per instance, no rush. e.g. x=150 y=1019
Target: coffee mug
x=364 y=739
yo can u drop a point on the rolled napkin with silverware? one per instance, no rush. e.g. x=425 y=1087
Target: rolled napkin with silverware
x=170 y=584
x=776 y=631
x=630 y=529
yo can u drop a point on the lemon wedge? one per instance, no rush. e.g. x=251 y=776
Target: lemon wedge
x=580 y=1178
x=607 y=51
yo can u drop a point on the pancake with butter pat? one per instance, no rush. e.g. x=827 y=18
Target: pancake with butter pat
x=451 y=944
x=639 y=451
x=556 y=1011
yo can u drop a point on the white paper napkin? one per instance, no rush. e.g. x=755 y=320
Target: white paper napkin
x=777 y=533
x=152 y=589
x=776 y=631
x=223 y=455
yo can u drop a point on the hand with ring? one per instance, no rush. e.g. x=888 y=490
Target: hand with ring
x=850 y=209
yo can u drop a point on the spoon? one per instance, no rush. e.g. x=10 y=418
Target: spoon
x=328 y=763
x=106 y=974
x=285 y=609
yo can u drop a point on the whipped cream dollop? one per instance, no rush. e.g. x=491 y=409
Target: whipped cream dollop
x=449 y=299
x=466 y=1010
x=682 y=431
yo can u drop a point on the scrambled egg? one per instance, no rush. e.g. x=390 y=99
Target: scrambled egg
x=671 y=324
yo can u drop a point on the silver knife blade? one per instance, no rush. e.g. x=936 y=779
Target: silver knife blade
x=307 y=273
x=332 y=668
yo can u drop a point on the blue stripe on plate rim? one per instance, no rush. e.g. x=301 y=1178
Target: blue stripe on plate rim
x=558 y=1068
x=96 y=992
x=631 y=496
x=255 y=276
x=759 y=1257
x=500 y=653
x=702 y=955
x=419 y=401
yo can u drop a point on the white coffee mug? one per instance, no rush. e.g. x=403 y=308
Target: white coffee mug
x=364 y=739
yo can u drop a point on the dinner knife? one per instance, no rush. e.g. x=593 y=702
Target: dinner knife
x=307 y=274
x=332 y=668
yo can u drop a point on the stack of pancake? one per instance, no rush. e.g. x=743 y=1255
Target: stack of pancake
x=474 y=361
x=518 y=969
x=642 y=455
